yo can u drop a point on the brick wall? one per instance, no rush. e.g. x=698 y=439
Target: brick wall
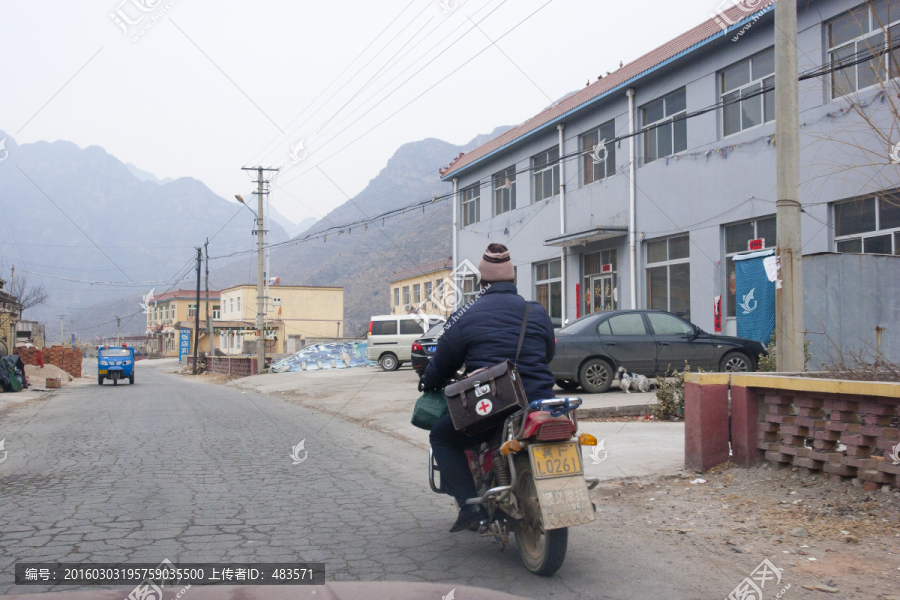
x=67 y=359
x=233 y=366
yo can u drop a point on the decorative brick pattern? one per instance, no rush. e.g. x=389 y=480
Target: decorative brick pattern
x=839 y=435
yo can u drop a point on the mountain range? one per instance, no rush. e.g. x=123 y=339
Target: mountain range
x=59 y=203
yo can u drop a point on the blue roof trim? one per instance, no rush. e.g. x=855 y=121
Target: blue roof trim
x=642 y=74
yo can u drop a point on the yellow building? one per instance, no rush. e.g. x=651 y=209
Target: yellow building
x=292 y=311
x=412 y=289
x=174 y=311
x=10 y=312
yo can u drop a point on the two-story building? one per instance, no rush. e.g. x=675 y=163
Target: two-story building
x=638 y=190
x=173 y=311
x=291 y=311
x=10 y=313
x=414 y=289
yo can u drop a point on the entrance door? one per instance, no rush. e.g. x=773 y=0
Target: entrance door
x=603 y=292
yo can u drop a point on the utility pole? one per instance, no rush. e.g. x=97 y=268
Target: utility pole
x=118 y=324
x=62 y=330
x=209 y=328
x=197 y=311
x=260 y=271
x=789 y=287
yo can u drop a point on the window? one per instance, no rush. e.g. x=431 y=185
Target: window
x=669 y=275
x=405 y=294
x=384 y=327
x=239 y=304
x=600 y=291
x=546 y=174
x=396 y=296
x=416 y=293
x=470 y=289
x=428 y=288
x=627 y=324
x=410 y=327
x=192 y=310
x=737 y=237
x=743 y=105
x=668 y=325
x=868 y=225
x=548 y=288
x=669 y=134
x=232 y=305
x=595 y=171
x=857 y=34
x=217 y=311
x=471 y=205
x=505 y=191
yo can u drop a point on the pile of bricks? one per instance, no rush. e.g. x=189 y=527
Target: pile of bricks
x=67 y=359
x=837 y=435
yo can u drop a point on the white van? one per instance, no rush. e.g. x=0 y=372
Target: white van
x=391 y=337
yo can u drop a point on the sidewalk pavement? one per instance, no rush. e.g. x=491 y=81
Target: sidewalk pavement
x=384 y=401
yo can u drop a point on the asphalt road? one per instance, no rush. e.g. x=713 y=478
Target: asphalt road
x=193 y=472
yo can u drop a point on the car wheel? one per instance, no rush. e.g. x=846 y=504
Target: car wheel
x=565 y=384
x=735 y=362
x=99 y=379
x=131 y=379
x=389 y=362
x=596 y=376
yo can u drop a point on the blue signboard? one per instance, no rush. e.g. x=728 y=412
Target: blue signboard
x=755 y=295
x=184 y=343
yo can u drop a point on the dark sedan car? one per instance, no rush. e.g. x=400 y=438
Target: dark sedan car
x=424 y=347
x=650 y=342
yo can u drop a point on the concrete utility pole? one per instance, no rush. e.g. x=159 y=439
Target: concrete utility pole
x=62 y=330
x=209 y=328
x=789 y=290
x=197 y=312
x=260 y=271
x=118 y=325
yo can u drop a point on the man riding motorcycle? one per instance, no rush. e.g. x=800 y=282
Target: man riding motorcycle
x=479 y=335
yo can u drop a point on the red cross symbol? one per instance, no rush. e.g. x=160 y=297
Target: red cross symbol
x=485 y=407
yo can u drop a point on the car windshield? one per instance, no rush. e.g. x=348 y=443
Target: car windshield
x=435 y=332
x=114 y=352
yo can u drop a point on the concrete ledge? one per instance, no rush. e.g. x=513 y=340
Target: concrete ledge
x=798 y=383
x=708 y=378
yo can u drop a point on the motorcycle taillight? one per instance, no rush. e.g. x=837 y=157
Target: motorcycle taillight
x=555 y=430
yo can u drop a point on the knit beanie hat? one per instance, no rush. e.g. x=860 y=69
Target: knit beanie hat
x=495 y=265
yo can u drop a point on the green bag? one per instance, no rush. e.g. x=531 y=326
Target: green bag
x=430 y=407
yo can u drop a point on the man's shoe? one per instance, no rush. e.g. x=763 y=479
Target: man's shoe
x=468 y=516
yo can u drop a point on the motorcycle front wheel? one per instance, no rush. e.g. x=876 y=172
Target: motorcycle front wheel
x=543 y=552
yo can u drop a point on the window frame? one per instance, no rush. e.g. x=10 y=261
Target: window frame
x=405 y=295
x=550 y=282
x=550 y=164
x=416 y=293
x=873 y=29
x=217 y=311
x=667 y=121
x=588 y=166
x=764 y=98
x=470 y=204
x=731 y=311
x=892 y=232
x=668 y=264
x=501 y=194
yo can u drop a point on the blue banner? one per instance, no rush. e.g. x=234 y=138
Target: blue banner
x=755 y=297
x=184 y=343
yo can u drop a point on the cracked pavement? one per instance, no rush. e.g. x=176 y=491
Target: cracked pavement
x=175 y=468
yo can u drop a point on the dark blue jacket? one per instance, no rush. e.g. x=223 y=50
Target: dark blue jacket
x=486 y=332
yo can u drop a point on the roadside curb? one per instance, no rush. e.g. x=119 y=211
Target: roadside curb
x=634 y=410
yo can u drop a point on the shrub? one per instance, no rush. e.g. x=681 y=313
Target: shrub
x=670 y=394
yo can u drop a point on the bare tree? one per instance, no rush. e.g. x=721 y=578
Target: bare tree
x=29 y=295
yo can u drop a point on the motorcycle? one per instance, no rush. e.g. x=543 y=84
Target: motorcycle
x=531 y=482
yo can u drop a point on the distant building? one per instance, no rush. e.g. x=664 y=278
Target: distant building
x=292 y=311
x=10 y=312
x=173 y=311
x=412 y=289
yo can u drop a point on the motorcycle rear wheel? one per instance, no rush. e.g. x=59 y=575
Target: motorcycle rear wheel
x=543 y=552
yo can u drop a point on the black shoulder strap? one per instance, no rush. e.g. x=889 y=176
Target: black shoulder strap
x=522 y=331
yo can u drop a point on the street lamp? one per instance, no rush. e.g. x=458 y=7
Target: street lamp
x=241 y=200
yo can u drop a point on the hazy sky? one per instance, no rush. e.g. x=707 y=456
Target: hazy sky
x=212 y=86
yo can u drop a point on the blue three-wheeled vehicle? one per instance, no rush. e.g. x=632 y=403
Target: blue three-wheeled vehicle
x=115 y=364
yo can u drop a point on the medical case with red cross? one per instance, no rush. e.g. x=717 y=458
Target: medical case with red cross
x=485 y=397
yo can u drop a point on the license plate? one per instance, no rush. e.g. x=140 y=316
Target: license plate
x=431 y=348
x=555 y=460
x=101 y=372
